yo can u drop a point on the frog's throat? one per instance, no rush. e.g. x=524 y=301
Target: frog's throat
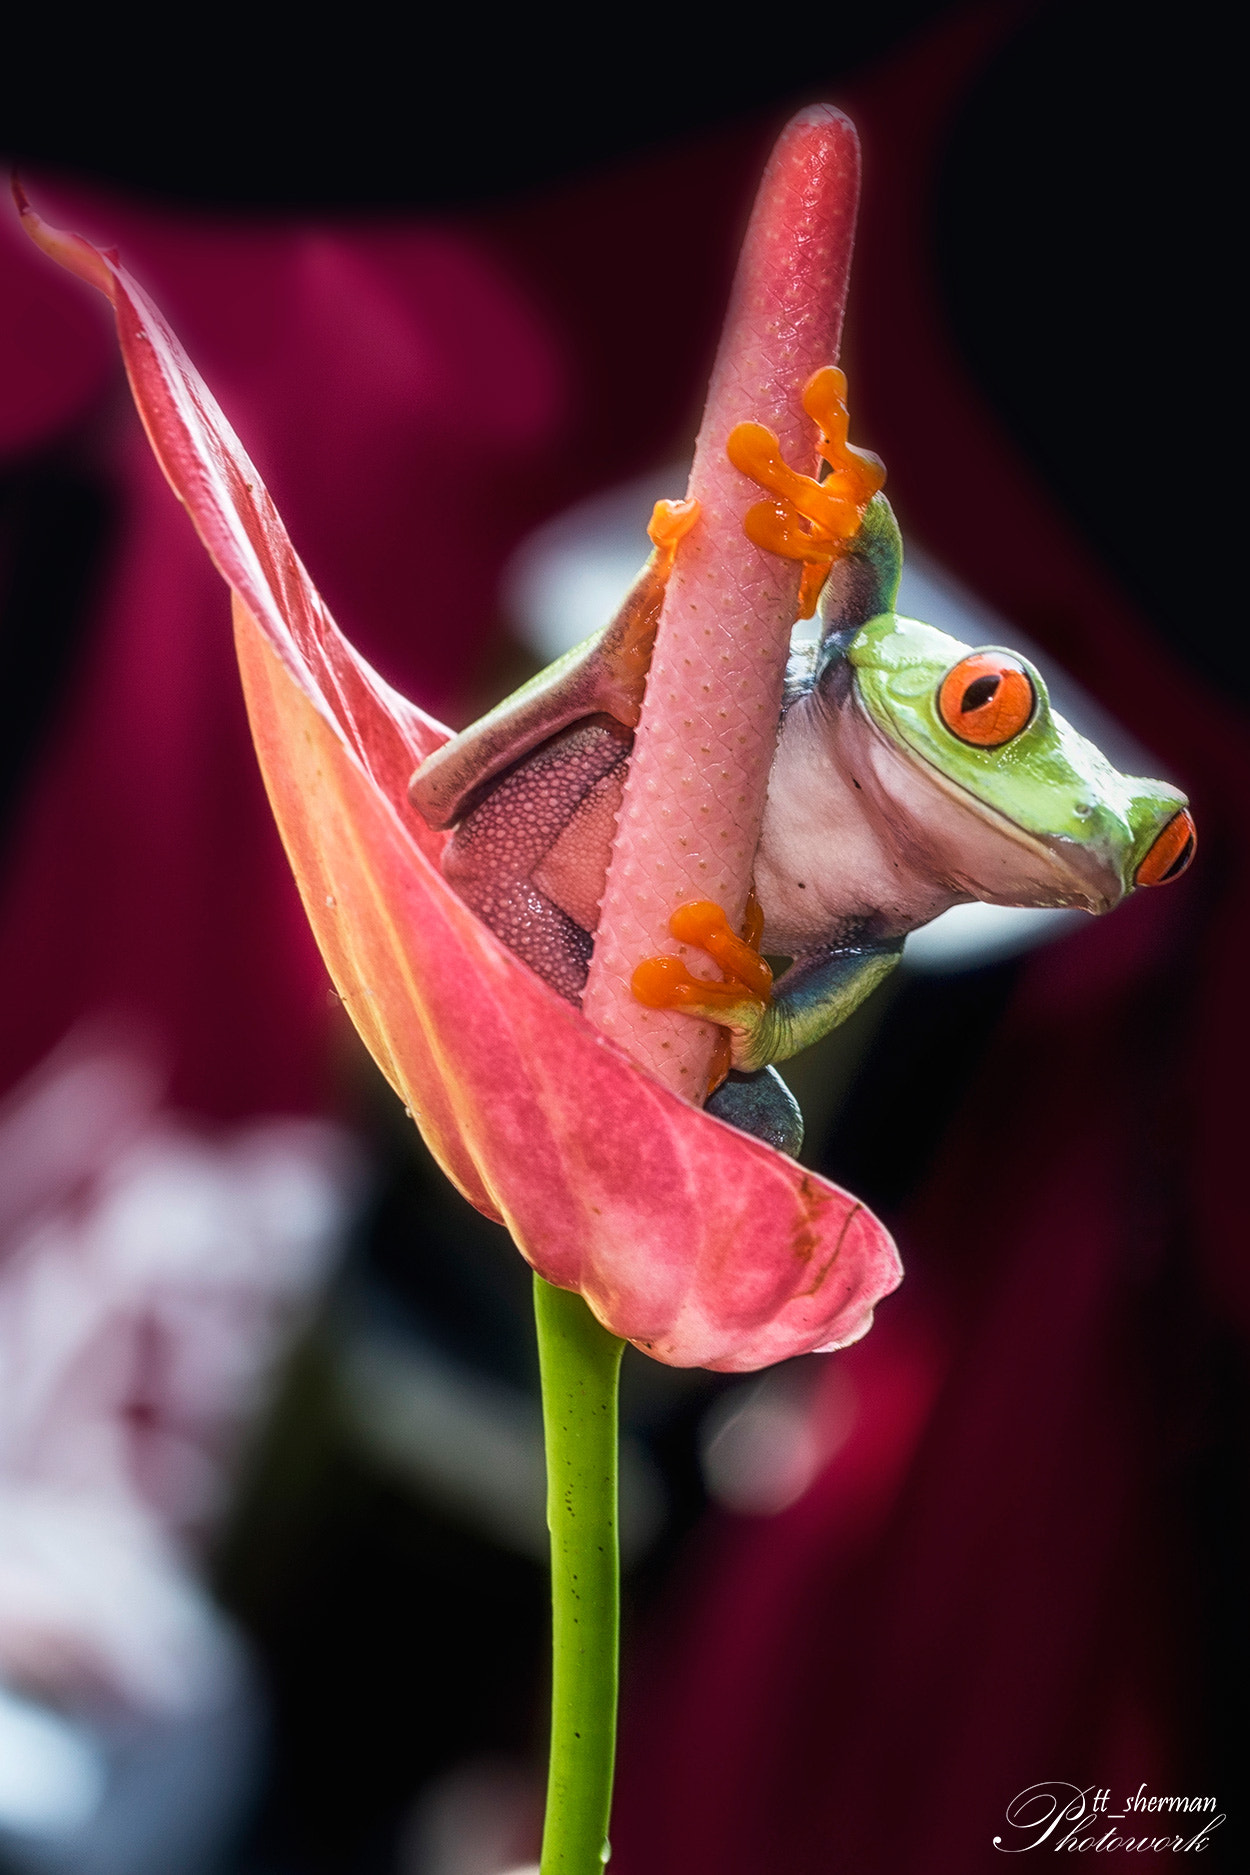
x=1097 y=896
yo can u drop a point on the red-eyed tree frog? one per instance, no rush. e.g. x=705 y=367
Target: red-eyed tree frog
x=912 y=773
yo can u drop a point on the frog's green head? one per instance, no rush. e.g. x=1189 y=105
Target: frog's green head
x=980 y=721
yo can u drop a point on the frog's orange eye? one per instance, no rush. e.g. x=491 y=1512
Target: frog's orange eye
x=986 y=699
x=1171 y=852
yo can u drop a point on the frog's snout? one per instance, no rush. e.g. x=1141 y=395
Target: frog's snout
x=1171 y=853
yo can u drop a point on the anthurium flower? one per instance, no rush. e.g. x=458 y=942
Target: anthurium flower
x=697 y=1243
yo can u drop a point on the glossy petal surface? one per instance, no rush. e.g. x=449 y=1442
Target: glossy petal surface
x=695 y=1242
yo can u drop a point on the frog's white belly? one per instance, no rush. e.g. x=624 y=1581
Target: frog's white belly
x=857 y=834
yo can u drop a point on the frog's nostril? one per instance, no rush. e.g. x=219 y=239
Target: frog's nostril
x=1171 y=852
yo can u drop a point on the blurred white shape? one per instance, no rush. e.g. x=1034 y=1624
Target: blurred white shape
x=570 y=575
x=762 y=1443
x=475 y=1446
x=472 y=1444
x=174 y=1792
x=967 y=936
x=145 y=1294
x=52 y=1773
x=475 y=1820
x=98 y=1609
x=150 y=1276
x=68 y=1120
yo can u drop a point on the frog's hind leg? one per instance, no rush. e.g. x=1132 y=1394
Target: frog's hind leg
x=500 y=858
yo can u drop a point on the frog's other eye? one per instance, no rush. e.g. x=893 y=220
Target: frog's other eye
x=1171 y=852
x=986 y=699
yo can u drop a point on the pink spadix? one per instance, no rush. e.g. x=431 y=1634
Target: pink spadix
x=694 y=800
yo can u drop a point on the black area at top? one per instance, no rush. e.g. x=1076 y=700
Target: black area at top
x=1083 y=237
x=382 y=112
x=54 y=530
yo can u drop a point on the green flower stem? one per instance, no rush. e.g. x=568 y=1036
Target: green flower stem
x=580 y=1364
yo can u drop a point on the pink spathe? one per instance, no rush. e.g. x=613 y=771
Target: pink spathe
x=694 y=800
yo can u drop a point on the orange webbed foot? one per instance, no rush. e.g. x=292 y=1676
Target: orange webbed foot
x=737 y=1002
x=809 y=519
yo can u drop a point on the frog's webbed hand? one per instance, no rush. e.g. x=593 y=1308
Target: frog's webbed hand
x=605 y=675
x=810 y=518
x=764 y=1023
x=738 y=1003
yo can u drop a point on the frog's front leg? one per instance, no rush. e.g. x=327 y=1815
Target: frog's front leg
x=766 y=1022
x=815 y=995
x=762 y=1022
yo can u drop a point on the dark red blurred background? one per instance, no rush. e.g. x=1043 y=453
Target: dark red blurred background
x=442 y=295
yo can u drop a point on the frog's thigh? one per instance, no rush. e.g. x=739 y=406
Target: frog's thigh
x=542 y=936
x=497 y=852
x=575 y=869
